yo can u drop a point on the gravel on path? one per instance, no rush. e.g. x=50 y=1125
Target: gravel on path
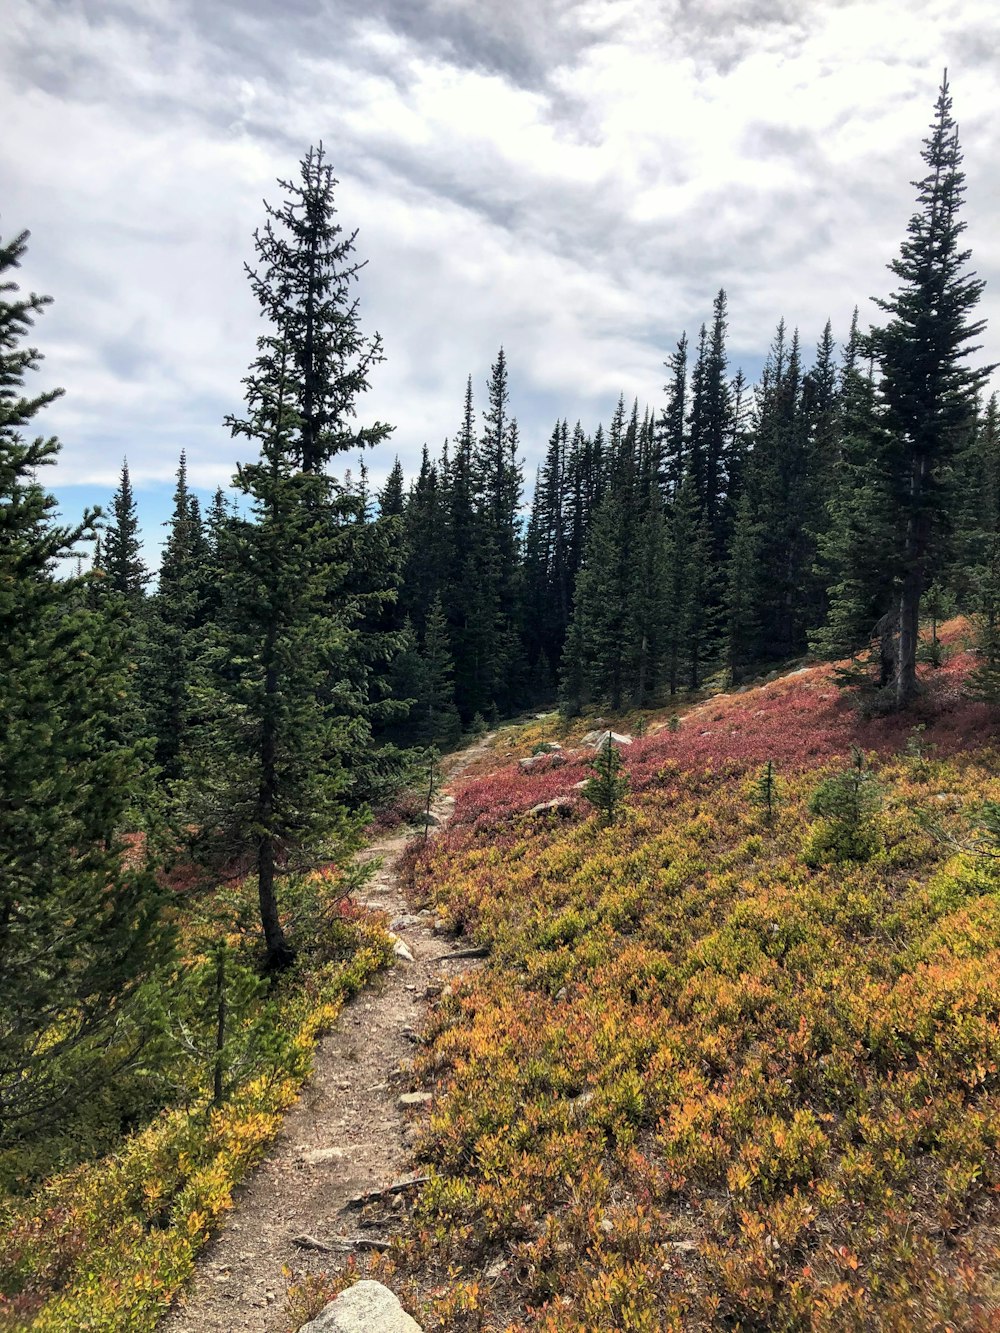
x=346 y=1135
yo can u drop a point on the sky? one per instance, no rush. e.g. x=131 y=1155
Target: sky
x=571 y=179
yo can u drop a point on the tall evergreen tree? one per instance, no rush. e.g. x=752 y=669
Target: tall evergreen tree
x=173 y=640
x=301 y=578
x=391 y=502
x=927 y=391
x=123 y=565
x=853 y=547
x=437 y=715
x=425 y=544
x=78 y=925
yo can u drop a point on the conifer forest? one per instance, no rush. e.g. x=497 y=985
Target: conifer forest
x=729 y=1058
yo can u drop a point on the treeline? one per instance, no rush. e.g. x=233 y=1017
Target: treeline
x=737 y=526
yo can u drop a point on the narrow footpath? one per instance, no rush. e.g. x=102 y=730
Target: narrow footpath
x=345 y=1136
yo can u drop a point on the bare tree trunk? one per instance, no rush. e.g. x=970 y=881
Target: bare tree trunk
x=279 y=952
x=917 y=537
x=909 y=620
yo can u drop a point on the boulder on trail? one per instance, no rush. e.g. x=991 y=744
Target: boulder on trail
x=367 y=1307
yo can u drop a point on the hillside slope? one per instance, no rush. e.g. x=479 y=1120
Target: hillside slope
x=706 y=1079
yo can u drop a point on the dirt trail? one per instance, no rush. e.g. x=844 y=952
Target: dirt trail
x=344 y=1136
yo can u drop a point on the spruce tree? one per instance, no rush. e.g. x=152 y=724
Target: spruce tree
x=78 y=925
x=123 y=565
x=121 y=591
x=390 y=500
x=853 y=547
x=425 y=544
x=598 y=651
x=173 y=638
x=436 y=711
x=927 y=390
x=301 y=572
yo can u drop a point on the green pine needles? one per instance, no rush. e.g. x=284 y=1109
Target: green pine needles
x=765 y=793
x=847 y=804
x=607 y=789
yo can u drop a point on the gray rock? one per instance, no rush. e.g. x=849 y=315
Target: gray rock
x=414 y=1099
x=562 y=805
x=533 y=761
x=406 y=920
x=602 y=738
x=400 y=949
x=578 y=1105
x=367 y=1307
x=317 y=1156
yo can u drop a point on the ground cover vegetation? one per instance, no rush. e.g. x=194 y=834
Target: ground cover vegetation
x=729 y=1063
x=188 y=762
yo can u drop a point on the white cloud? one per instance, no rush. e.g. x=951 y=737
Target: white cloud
x=573 y=180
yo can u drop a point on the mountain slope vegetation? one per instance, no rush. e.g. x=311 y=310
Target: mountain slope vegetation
x=722 y=1070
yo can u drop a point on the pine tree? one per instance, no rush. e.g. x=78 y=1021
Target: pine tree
x=743 y=596
x=78 y=927
x=441 y=726
x=425 y=544
x=121 y=591
x=597 y=652
x=765 y=792
x=777 y=481
x=173 y=638
x=306 y=570
x=927 y=390
x=853 y=548
x=390 y=500
x=499 y=481
x=123 y=565
x=607 y=787
x=692 y=631
x=670 y=426
x=648 y=604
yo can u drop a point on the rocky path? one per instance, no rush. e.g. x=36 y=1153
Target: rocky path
x=346 y=1135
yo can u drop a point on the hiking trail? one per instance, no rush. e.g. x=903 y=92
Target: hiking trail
x=346 y=1135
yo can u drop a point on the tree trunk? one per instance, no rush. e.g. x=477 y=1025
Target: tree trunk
x=640 y=686
x=279 y=952
x=913 y=585
x=909 y=619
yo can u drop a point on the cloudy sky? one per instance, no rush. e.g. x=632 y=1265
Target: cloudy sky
x=574 y=179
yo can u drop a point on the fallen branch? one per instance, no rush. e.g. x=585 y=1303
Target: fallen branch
x=342 y=1243
x=397 y=1187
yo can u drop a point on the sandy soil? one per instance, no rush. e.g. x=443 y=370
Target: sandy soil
x=345 y=1136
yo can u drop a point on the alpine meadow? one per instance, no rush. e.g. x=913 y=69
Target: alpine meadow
x=478 y=901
